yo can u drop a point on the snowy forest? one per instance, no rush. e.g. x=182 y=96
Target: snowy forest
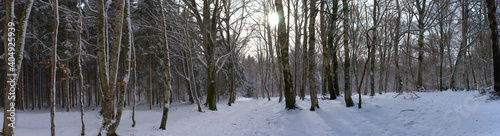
x=249 y=67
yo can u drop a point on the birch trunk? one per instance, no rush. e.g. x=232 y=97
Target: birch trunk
x=283 y=42
x=312 y=61
x=167 y=66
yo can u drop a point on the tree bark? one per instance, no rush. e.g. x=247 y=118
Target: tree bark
x=421 y=9
x=283 y=42
x=347 y=76
x=313 y=83
x=54 y=68
x=302 y=92
x=463 y=44
x=79 y=40
x=19 y=51
x=491 y=5
x=167 y=66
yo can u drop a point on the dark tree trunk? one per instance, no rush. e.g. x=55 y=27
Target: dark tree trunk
x=491 y=5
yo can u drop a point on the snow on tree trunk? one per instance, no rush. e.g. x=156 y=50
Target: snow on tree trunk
x=79 y=40
x=109 y=77
x=54 y=68
x=167 y=66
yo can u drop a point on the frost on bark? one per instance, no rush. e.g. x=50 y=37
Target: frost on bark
x=491 y=5
x=347 y=77
x=282 y=40
x=312 y=62
x=167 y=66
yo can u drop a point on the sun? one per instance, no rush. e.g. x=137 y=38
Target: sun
x=273 y=19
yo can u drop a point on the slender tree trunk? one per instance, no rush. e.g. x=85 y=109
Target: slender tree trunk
x=67 y=90
x=134 y=61
x=374 y=49
x=79 y=40
x=54 y=68
x=399 y=81
x=167 y=67
x=302 y=92
x=441 y=49
x=297 y=48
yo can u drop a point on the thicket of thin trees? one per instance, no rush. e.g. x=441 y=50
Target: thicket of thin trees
x=112 y=54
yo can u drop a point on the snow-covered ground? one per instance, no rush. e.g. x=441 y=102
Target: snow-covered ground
x=434 y=113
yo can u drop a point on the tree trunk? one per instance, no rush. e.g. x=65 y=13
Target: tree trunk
x=8 y=124
x=399 y=81
x=54 y=69
x=347 y=76
x=167 y=66
x=491 y=5
x=297 y=48
x=441 y=48
x=110 y=70
x=79 y=40
x=302 y=92
x=463 y=44
x=283 y=42
x=421 y=9
x=313 y=83
x=134 y=61
x=374 y=49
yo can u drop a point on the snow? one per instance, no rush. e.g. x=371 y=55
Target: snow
x=433 y=113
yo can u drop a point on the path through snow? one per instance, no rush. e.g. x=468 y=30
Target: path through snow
x=434 y=113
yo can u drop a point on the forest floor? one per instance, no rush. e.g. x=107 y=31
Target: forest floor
x=433 y=113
